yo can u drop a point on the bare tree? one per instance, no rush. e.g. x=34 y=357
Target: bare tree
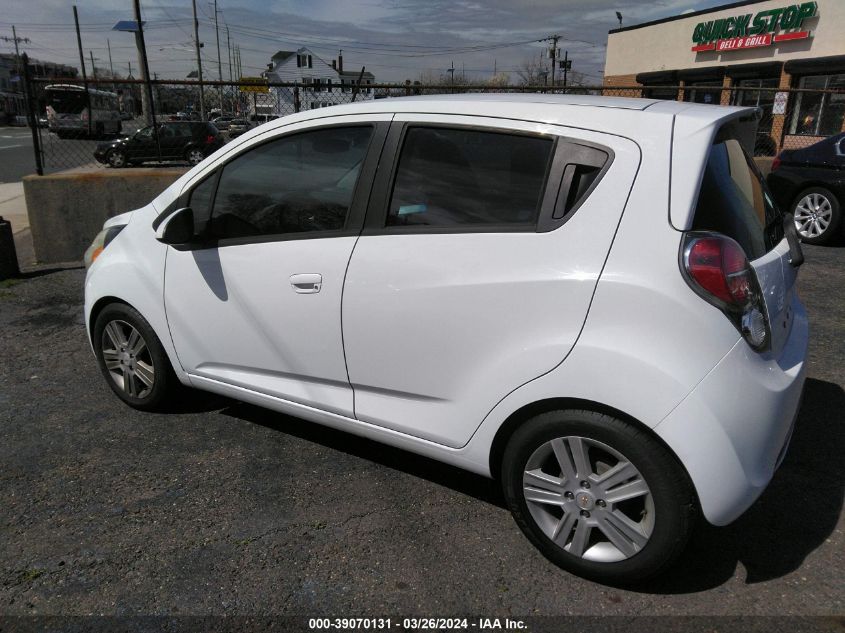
x=533 y=72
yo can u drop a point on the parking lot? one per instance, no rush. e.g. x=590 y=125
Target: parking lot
x=223 y=508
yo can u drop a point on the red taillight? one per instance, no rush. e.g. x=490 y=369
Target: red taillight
x=776 y=163
x=209 y=139
x=719 y=271
x=720 y=268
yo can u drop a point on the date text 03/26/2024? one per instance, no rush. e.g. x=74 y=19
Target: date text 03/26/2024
x=416 y=624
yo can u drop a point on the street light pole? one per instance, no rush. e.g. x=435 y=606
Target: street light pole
x=199 y=60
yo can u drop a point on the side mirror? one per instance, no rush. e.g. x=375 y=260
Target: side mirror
x=177 y=228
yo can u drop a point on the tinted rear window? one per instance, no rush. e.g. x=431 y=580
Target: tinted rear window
x=734 y=200
x=452 y=177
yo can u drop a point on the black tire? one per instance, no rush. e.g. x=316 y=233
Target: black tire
x=671 y=494
x=117 y=159
x=194 y=156
x=832 y=230
x=165 y=384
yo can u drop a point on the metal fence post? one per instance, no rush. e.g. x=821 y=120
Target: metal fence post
x=296 y=98
x=31 y=116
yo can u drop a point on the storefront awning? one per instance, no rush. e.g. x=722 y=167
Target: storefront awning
x=665 y=77
x=832 y=65
x=757 y=70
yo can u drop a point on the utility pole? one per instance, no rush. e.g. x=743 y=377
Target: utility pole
x=82 y=65
x=219 y=63
x=16 y=40
x=93 y=67
x=565 y=67
x=554 y=39
x=129 y=64
x=25 y=85
x=149 y=111
x=229 y=47
x=111 y=66
x=199 y=60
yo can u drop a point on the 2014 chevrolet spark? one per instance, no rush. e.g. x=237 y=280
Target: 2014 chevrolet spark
x=590 y=299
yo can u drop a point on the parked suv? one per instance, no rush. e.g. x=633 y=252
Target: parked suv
x=177 y=140
x=512 y=284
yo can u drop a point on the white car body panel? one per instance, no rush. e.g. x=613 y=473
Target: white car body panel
x=464 y=318
x=639 y=341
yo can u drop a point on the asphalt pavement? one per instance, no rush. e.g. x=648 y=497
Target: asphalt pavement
x=17 y=158
x=222 y=508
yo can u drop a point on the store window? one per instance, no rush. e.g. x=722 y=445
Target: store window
x=759 y=93
x=818 y=113
x=703 y=92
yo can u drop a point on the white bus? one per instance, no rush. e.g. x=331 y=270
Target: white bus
x=68 y=113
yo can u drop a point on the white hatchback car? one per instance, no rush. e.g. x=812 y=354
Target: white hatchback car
x=591 y=299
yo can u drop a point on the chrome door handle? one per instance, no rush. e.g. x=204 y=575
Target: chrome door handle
x=306 y=283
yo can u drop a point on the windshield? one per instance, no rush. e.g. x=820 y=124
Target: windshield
x=735 y=201
x=66 y=101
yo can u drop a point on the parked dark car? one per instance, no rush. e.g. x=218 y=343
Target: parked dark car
x=238 y=127
x=810 y=183
x=178 y=140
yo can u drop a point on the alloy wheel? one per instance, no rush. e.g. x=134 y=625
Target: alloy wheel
x=588 y=499
x=813 y=215
x=117 y=159
x=195 y=156
x=128 y=359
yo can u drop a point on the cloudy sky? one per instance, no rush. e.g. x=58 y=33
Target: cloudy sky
x=394 y=39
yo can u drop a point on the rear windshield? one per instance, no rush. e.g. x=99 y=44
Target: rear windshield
x=66 y=101
x=735 y=201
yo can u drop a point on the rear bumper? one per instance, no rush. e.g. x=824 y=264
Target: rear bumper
x=731 y=432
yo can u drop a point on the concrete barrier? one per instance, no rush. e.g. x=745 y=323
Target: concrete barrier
x=66 y=210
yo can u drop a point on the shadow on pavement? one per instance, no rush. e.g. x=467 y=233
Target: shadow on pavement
x=476 y=486
x=796 y=514
x=798 y=511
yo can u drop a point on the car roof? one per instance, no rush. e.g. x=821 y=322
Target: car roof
x=619 y=115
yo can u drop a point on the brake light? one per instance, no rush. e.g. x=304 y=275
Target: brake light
x=209 y=139
x=718 y=270
x=776 y=163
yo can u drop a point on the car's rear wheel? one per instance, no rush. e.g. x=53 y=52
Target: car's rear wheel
x=598 y=496
x=194 y=156
x=817 y=215
x=132 y=358
x=117 y=158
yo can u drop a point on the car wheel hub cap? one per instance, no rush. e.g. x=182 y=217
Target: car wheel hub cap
x=813 y=215
x=589 y=499
x=585 y=500
x=128 y=359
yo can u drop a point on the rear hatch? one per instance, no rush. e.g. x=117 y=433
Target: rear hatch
x=734 y=201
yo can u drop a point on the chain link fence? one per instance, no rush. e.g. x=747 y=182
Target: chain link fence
x=77 y=126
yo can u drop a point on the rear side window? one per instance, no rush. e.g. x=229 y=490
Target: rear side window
x=735 y=201
x=451 y=177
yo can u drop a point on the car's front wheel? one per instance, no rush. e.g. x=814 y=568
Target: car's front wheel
x=117 y=158
x=194 y=156
x=598 y=496
x=132 y=358
x=817 y=215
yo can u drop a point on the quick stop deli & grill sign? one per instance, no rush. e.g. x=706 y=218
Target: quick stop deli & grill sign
x=754 y=30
